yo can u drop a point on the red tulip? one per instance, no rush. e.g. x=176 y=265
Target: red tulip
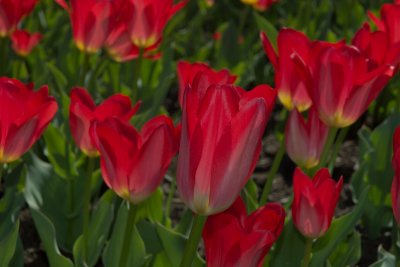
x=233 y=238
x=395 y=190
x=133 y=164
x=341 y=84
x=24 y=115
x=23 y=42
x=389 y=22
x=83 y=113
x=11 y=13
x=92 y=21
x=376 y=47
x=260 y=5
x=291 y=88
x=206 y=76
x=222 y=129
x=314 y=202
x=146 y=20
x=305 y=140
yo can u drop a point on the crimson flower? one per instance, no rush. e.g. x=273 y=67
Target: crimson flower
x=83 y=113
x=134 y=163
x=233 y=238
x=12 y=11
x=24 y=115
x=395 y=190
x=305 y=139
x=23 y=42
x=201 y=76
x=222 y=128
x=314 y=202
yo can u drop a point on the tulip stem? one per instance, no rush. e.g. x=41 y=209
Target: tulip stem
x=325 y=152
x=85 y=68
x=193 y=241
x=136 y=76
x=86 y=206
x=307 y=252
x=171 y=194
x=271 y=174
x=129 y=226
x=340 y=139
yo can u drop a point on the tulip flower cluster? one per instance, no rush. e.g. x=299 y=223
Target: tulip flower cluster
x=100 y=184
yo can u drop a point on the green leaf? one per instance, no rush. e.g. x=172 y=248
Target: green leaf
x=265 y=26
x=8 y=245
x=348 y=253
x=47 y=234
x=112 y=252
x=99 y=228
x=152 y=207
x=338 y=231
x=385 y=259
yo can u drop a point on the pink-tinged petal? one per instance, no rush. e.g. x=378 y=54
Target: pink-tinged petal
x=269 y=50
x=117 y=105
x=151 y=163
x=264 y=92
x=236 y=154
x=396 y=140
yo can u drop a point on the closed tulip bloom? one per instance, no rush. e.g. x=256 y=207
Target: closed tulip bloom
x=92 y=21
x=341 y=84
x=146 y=20
x=314 y=202
x=395 y=190
x=206 y=76
x=23 y=42
x=292 y=91
x=233 y=238
x=260 y=5
x=220 y=144
x=11 y=13
x=83 y=113
x=133 y=164
x=305 y=139
x=24 y=115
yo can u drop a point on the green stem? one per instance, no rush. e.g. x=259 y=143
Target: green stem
x=129 y=226
x=136 y=76
x=170 y=197
x=86 y=206
x=85 y=68
x=325 y=152
x=338 y=144
x=243 y=19
x=3 y=53
x=271 y=174
x=194 y=239
x=307 y=252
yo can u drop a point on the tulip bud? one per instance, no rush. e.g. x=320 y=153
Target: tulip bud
x=24 y=115
x=83 y=113
x=233 y=238
x=260 y=5
x=222 y=128
x=291 y=88
x=23 y=42
x=314 y=202
x=201 y=76
x=12 y=11
x=305 y=140
x=133 y=164
x=395 y=190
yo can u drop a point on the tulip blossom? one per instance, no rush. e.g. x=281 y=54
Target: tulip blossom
x=341 y=84
x=134 y=163
x=24 y=115
x=305 y=140
x=83 y=113
x=291 y=88
x=395 y=190
x=222 y=129
x=23 y=42
x=260 y=5
x=11 y=13
x=233 y=238
x=92 y=21
x=206 y=76
x=314 y=202
x=146 y=20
